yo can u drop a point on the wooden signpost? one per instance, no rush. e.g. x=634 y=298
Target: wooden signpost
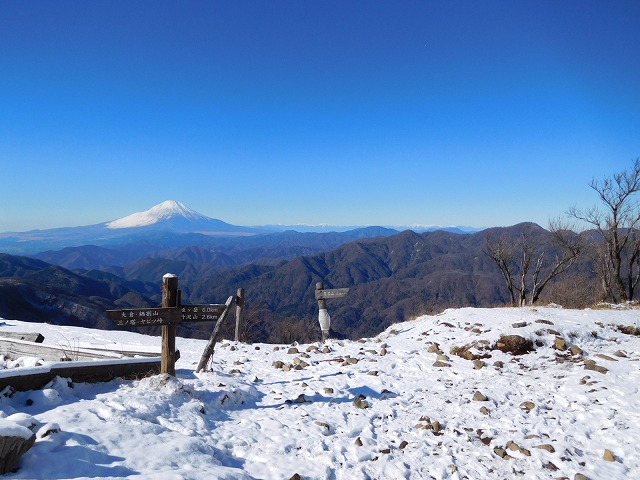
x=323 y=316
x=168 y=316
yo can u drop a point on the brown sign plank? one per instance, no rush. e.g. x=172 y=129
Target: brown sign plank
x=143 y=317
x=148 y=317
x=201 y=313
x=331 y=293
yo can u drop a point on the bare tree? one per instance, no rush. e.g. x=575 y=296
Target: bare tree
x=516 y=259
x=617 y=225
x=502 y=251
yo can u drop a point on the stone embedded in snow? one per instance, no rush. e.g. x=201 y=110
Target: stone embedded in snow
x=576 y=350
x=360 y=402
x=292 y=351
x=464 y=352
x=513 y=446
x=528 y=406
x=520 y=325
x=480 y=397
x=502 y=453
x=595 y=367
x=440 y=364
x=478 y=364
x=546 y=322
x=606 y=357
x=609 y=456
x=560 y=344
x=547 y=447
x=323 y=424
x=435 y=425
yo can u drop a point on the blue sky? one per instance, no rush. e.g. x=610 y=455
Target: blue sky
x=477 y=113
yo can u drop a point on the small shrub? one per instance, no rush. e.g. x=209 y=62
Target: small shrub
x=628 y=330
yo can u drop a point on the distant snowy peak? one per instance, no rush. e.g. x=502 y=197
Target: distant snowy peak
x=164 y=211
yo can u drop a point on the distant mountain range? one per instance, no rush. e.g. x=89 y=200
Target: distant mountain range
x=166 y=222
x=392 y=276
x=74 y=274
x=303 y=228
x=169 y=217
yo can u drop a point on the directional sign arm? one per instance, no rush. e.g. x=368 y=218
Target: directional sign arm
x=201 y=313
x=331 y=293
x=142 y=317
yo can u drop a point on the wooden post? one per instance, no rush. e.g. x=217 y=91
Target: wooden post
x=323 y=314
x=208 y=350
x=239 y=311
x=169 y=299
x=12 y=448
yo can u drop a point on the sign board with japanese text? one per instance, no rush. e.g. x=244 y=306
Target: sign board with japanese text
x=149 y=317
x=331 y=293
x=201 y=313
x=143 y=317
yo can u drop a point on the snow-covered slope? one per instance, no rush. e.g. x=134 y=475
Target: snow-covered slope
x=164 y=211
x=169 y=217
x=174 y=216
x=397 y=406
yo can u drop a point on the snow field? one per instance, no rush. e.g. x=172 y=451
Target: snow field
x=246 y=418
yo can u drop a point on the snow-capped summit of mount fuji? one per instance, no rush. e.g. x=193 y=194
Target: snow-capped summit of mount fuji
x=169 y=218
x=173 y=216
x=165 y=211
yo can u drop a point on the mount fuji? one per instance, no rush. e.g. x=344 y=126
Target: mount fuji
x=173 y=216
x=165 y=219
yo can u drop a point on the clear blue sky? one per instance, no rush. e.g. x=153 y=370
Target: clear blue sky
x=447 y=112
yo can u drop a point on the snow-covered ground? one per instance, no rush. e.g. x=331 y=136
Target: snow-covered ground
x=372 y=409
